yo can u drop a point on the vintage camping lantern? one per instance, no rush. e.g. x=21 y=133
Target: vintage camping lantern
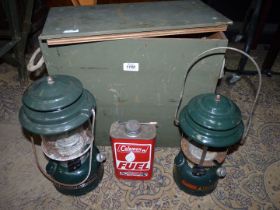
x=59 y=110
x=210 y=124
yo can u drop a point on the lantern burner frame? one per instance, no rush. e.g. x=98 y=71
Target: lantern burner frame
x=188 y=147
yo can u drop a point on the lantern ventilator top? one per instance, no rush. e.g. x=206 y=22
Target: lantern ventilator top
x=54 y=105
x=212 y=120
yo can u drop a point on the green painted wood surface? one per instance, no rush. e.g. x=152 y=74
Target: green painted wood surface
x=126 y=18
x=152 y=93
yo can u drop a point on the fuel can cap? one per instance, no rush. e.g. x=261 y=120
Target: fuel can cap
x=132 y=128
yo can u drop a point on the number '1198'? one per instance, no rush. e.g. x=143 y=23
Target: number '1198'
x=131 y=66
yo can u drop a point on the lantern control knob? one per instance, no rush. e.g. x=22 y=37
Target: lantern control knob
x=100 y=157
x=221 y=172
x=133 y=128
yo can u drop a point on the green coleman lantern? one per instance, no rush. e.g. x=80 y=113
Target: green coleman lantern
x=210 y=124
x=60 y=111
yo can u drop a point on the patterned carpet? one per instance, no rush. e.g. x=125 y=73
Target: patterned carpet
x=253 y=180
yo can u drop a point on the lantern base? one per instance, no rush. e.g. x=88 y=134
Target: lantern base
x=70 y=175
x=191 y=184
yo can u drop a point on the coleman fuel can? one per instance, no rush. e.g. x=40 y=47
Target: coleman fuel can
x=133 y=146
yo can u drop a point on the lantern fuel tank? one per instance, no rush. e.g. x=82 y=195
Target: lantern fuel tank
x=133 y=146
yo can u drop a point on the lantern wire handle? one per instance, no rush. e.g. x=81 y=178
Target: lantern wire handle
x=202 y=56
x=90 y=159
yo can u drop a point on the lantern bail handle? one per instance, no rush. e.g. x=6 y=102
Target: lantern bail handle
x=90 y=160
x=204 y=55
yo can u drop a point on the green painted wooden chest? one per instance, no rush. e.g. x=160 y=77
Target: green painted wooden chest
x=133 y=58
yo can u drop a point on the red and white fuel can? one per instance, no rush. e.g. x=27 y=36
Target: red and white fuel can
x=133 y=145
